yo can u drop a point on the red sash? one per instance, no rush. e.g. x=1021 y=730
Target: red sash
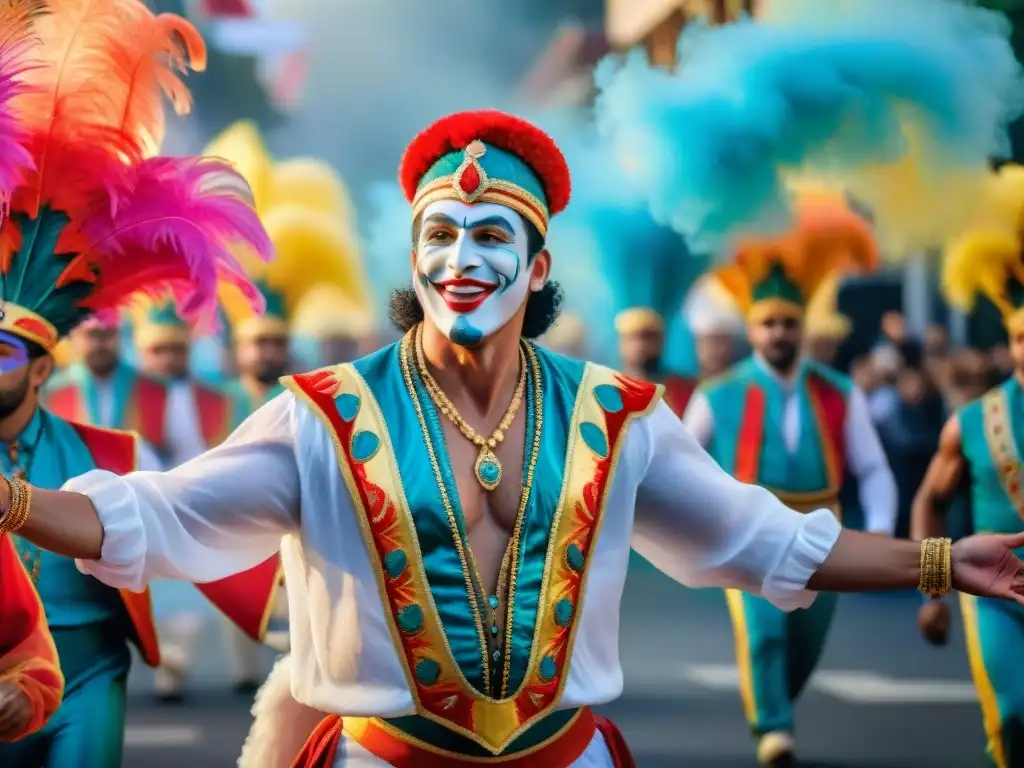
x=398 y=750
x=245 y=598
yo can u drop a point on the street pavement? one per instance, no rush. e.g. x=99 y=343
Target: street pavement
x=881 y=698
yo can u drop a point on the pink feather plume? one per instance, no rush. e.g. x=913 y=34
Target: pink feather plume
x=171 y=226
x=16 y=46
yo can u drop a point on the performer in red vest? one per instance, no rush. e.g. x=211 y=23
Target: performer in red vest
x=71 y=147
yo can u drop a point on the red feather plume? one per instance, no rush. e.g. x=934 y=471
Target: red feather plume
x=507 y=132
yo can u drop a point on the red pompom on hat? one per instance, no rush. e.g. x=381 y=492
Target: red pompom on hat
x=502 y=131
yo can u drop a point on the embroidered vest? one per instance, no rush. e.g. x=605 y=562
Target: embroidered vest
x=991 y=436
x=391 y=454
x=748 y=439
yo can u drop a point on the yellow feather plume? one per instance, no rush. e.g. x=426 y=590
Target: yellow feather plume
x=987 y=255
x=327 y=311
x=823 y=317
x=242 y=145
x=313 y=184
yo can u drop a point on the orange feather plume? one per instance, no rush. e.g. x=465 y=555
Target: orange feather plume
x=95 y=99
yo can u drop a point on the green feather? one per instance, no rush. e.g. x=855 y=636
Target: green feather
x=31 y=279
x=776 y=285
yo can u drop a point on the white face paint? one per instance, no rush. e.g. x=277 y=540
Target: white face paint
x=472 y=272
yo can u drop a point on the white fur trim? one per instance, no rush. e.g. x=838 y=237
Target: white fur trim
x=280 y=724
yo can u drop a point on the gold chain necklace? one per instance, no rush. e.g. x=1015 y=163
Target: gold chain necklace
x=487 y=467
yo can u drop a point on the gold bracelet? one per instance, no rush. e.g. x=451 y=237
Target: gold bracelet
x=936 y=567
x=18 y=507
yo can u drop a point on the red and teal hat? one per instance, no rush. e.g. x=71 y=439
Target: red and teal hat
x=487 y=157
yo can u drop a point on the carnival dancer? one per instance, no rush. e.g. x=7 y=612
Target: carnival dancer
x=796 y=428
x=825 y=327
x=197 y=417
x=102 y=389
x=69 y=252
x=717 y=328
x=481 y=539
x=31 y=683
x=341 y=329
x=650 y=271
x=980 y=448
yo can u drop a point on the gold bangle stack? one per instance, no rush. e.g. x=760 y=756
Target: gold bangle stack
x=936 y=567
x=19 y=501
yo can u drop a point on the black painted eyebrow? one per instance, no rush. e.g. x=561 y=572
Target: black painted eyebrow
x=440 y=218
x=496 y=221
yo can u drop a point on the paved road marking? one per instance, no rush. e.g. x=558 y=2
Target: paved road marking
x=850 y=686
x=152 y=736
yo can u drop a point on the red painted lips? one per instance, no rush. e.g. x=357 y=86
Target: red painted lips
x=463 y=294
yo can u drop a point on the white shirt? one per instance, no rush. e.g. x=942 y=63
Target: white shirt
x=107 y=403
x=277 y=475
x=864 y=453
x=183 y=432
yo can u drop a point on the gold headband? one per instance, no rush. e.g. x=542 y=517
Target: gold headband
x=639 y=320
x=147 y=336
x=28 y=325
x=261 y=326
x=487 y=190
x=760 y=310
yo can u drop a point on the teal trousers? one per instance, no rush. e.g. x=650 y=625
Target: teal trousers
x=776 y=652
x=88 y=729
x=995 y=641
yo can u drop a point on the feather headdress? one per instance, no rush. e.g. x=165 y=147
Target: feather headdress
x=306 y=211
x=326 y=312
x=95 y=217
x=783 y=273
x=987 y=258
x=845 y=90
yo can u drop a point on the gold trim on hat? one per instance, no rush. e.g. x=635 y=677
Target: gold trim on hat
x=639 y=320
x=11 y=314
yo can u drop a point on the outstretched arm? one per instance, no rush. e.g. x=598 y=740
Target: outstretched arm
x=867 y=461
x=941 y=482
x=219 y=514
x=31 y=683
x=704 y=528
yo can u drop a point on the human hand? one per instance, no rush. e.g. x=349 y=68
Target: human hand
x=15 y=711
x=985 y=565
x=933 y=622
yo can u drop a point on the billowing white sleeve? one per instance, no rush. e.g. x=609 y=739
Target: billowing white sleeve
x=217 y=515
x=699 y=418
x=879 y=497
x=705 y=529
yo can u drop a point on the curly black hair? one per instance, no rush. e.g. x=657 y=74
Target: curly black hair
x=542 y=309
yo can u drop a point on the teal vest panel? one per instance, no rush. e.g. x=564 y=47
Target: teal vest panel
x=425 y=469
x=122 y=381
x=991 y=509
x=71 y=598
x=801 y=471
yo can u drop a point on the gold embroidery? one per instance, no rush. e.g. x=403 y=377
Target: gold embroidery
x=1002 y=447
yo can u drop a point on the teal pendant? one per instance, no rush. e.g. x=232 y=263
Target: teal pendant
x=487 y=469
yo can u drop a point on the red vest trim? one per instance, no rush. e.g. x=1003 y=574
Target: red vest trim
x=67 y=403
x=214 y=410
x=115 y=452
x=146 y=411
x=678 y=391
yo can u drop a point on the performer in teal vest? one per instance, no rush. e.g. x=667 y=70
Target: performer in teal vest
x=795 y=427
x=71 y=253
x=981 y=448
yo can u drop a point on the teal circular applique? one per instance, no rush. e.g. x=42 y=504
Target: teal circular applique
x=347 y=405
x=364 y=446
x=394 y=563
x=410 y=619
x=427 y=671
x=489 y=471
x=563 y=612
x=548 y=668
x=574 y=557
x=594 y=438
x=608 y=397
